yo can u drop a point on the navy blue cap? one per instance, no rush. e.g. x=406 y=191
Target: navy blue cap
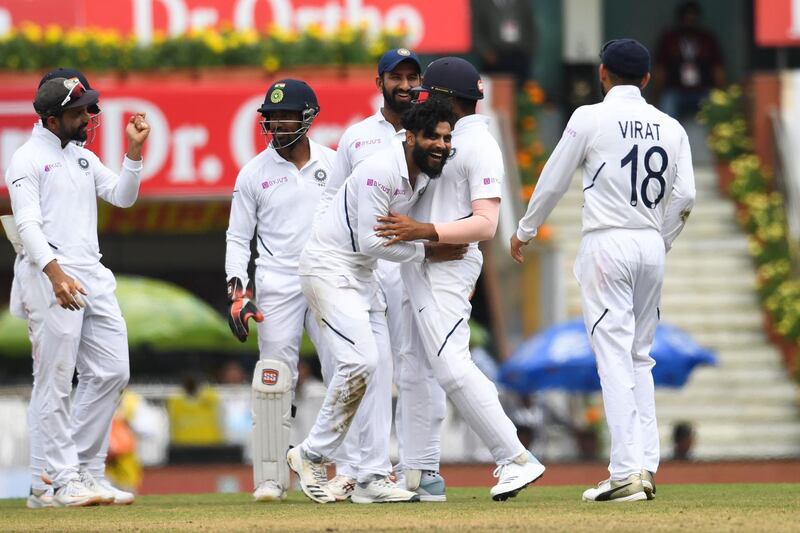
x=626 y=57
x=453 y=76
x=289 y=95
x=64 y=72
x=394 y=57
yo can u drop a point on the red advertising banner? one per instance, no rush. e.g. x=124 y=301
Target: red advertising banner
x=433 y=27
x=777 y=22
x=202 y=132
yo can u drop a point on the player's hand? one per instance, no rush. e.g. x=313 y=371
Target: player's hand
x=516 y=249
x=398 y=228
x=241 y=309
x=436 y=252
x=136 y=130
x=68 y=290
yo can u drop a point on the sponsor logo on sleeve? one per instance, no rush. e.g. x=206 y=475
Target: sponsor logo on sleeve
x=368 y=142
x=375 y=183
x=489 y=181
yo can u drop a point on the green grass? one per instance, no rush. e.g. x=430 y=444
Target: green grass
x=767 y=507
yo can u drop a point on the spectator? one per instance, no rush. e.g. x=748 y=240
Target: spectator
x=688 y=63
x=134 y=418
x=682 y=441
x=505 y=37
x=194 y=415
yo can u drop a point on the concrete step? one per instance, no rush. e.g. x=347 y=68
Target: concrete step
x=691 y=395
x=733 y=378
x=714 y=413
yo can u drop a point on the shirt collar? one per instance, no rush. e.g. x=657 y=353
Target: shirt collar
x=380 y=119
x=624 y=91
x=314 y=155
x=471 y=121
x=399 y=150
x=43 y=134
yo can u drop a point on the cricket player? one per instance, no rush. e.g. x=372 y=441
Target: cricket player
x=337 y=270
x=64 y=291
x=463 y=207
x=399 y=71
x=275 y=196
x=41 y=495
x=638 y=189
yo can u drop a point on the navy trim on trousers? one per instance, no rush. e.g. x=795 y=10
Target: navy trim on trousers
x=338 y=332
x=599 y=319
x=460 y=320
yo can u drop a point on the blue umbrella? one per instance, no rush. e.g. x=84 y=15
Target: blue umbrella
x=562 y=358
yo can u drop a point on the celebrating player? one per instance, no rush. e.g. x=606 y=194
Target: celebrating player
x=337 y=270
x=64 y=291
x=463 y=207
x=275 y=197
x=638 y=191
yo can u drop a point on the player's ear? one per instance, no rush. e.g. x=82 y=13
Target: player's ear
x=645 y=81
x=411 y=139
x=379 y=82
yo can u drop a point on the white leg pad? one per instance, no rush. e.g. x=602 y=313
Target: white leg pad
x=272 y=420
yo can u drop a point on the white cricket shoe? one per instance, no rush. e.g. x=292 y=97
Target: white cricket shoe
x=515 y=476
x=429 y=484
x=269 y=491
x=341 y=487
x=626 y=490
x=121 y=497
x=649 y=484
x=40 y=498
x=313 y=476
x=382 y=490
x=104 y=496
x=75 y=494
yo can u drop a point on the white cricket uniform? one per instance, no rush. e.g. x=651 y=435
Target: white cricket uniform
x=638 y=190
x=53 y=196
x=358 y=142
x=440 y=294
x=276 y=201
x=338 y=276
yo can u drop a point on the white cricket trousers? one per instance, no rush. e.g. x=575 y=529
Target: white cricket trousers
x=352 y=317
x=70 y=435
x=620 y=273
x=440 y=293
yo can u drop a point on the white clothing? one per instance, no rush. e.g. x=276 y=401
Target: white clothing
x=609 y=141
x=54 y=192
x=276 y=201
x=440 y=292
x=638 y=190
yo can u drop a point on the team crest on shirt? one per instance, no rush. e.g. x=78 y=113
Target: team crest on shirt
x=320 y=175
x=83 y=162
x=452 y=154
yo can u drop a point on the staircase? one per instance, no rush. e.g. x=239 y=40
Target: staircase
x=747 y=406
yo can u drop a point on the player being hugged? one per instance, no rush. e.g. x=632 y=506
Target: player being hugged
x=64 y=291
x=638 y=189
x=275 y=196
x=337 y=269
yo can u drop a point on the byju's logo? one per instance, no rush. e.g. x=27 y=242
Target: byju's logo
x=51 y=166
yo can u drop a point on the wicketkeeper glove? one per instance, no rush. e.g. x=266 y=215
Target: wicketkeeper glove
x=241 y=308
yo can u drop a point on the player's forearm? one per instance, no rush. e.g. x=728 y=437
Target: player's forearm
x=675 y=218
x=35 y=243
x=237 y=257
x=127 y=189
x=401 y=252
x=481 y=226
x=539 y=208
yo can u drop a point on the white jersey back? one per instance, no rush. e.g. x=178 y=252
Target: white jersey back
x=635 y=161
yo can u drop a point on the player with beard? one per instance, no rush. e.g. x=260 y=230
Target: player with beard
x=66 y=294
x=337 y=269
x=398 y=73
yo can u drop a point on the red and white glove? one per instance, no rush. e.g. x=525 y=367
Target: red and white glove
x=241 y=308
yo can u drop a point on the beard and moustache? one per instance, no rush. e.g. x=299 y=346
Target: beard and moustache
x=420 y=157
x=390 y=100
x=79 y=134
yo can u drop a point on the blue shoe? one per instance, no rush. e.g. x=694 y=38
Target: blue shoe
x=429 y=484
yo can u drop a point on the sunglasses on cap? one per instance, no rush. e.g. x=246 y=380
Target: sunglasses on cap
x=76 y=90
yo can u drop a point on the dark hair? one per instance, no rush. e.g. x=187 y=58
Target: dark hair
x=681 y=431
x=688 y=8
x=425 y=116
x=616 y=79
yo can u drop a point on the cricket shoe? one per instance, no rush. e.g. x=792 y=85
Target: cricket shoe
x=313 y=476
x=515 y=476
x=75 y=494
x=121 y=497
x=341 y=487
x=104 y=496
x=649 y=484
x=40 y=498
x=269 y=491
x=429 y=484
x=626 y=490
x=382 y=490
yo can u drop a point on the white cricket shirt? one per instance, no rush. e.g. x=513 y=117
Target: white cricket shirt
x=276 y=201
x=473 y=171
x=54 y=194
x=343 y=240
x=636 y=166
x=358 y=142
